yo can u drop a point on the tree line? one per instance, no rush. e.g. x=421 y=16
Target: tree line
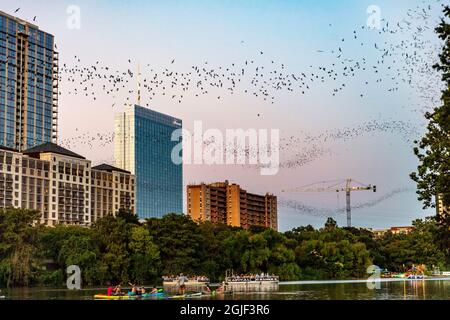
x=121 y=249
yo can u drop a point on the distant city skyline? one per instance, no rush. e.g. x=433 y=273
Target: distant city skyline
x=295 y=34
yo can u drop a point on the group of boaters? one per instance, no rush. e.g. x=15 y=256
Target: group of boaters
x=206 y=289
x=181 y=284
x=135 y=290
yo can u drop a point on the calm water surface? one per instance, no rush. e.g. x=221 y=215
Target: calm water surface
x=402 y=290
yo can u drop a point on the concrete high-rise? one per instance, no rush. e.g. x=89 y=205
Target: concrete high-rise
x=28 y=85
x=143 y=146
x=225 y=203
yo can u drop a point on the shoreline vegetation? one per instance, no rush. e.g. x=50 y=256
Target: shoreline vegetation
x=119 y=249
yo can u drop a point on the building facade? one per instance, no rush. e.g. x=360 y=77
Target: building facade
x=112 y=190
x=28 y=85
x=58 y=183
x=143 y=146
x=441 y=210
x=225 y=203
x=378 y=233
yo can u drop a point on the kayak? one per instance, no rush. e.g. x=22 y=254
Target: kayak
x=129 y=297
x=415 y=277
x=187 y=296
x=148 y=295
x=106 y=297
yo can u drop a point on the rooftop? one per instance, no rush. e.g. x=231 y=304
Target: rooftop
x=18 y=19
x=8 y=149
x=52 y=148
x=154 y=116
x=109 y=168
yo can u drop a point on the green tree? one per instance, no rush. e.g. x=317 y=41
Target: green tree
x=214 y=261
x=82 y=251
x=112 y=234
x=255 y=254
x=433 y=151
x=18 y=260
x=331 y=224
x=179 y=242
x=282 y=259
x=62 y=246
x=421 y=246
x=144 y=255
x=333 y=253
x=128 y=216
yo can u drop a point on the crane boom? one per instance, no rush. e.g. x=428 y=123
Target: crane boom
x=337 y=187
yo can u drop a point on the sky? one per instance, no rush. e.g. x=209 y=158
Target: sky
x=299 y=36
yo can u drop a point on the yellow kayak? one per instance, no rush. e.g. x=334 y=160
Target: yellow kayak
x=106 y=297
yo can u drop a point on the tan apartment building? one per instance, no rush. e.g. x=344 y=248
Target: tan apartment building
x=112 y=189
x=229 y=204
x=54 y=181
x=378 y=233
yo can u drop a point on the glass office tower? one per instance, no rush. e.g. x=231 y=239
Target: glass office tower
x=28 y=85
x=143 y=146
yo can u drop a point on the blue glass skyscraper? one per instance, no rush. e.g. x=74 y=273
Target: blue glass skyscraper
x=143 y=146
x=28 y=85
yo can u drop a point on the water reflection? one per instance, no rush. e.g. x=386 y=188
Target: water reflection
x=402 y=290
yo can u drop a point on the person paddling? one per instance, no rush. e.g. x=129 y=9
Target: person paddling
x=118 y=290
x=182 y=284
x=221 y=289
x=207 y=289
x=154 y=291
x=134 y=290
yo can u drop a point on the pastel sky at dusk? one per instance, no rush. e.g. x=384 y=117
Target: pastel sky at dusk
x=290 y=33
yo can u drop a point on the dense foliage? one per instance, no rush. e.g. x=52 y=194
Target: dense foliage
x=120 y=249
x=433 y=151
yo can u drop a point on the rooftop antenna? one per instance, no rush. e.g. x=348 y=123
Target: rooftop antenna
x=139 y=84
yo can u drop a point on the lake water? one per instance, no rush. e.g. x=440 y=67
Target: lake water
x=396 y=290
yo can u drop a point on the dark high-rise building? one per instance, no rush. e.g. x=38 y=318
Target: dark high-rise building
x=28 y=85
